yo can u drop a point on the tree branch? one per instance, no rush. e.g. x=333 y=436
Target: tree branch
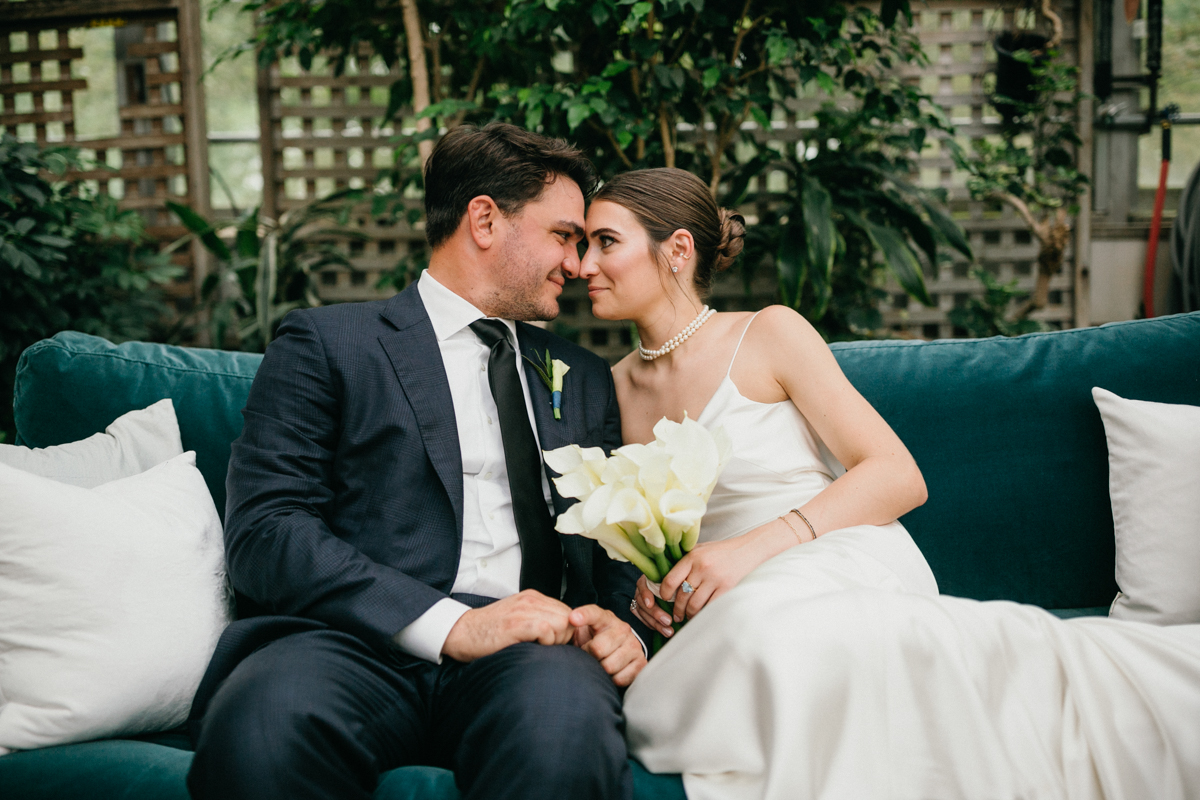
x=612 y=139
x=743 y=29
x=683 y=39
x=435 y=83
x=665 y=129
x=419 y=73
x=1022 y=208
x=471 y=90
x=1056 y=21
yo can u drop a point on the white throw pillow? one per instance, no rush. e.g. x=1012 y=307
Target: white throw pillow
x=111 y=603
x=1154 y=483
x=132 y=444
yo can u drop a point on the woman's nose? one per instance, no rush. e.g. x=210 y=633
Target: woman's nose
x=587 y=266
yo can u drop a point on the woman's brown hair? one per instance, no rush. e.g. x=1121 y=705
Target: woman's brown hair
x=665 y=200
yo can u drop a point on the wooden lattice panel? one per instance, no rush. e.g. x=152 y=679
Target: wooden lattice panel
x=322 y=134
x=46 y=80
x=159 y=110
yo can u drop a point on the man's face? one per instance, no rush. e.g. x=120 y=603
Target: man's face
x=538 y=250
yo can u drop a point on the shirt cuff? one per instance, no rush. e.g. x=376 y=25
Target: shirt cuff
x=645 y=651
x=426 y=635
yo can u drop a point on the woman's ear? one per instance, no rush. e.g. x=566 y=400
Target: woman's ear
x=483 y=219
x=680 y=247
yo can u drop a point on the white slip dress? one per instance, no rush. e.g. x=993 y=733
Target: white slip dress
x=835 y=670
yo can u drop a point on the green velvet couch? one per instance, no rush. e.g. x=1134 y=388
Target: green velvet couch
x=1004 y=430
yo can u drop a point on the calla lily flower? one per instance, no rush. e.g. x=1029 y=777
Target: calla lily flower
x=630 y=508
x=580 y=469
x=645 y=502
x=682 y=512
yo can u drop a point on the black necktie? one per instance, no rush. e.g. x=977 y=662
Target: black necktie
x=541 y=555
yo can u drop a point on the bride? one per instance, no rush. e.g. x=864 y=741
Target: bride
x=818 y=659
x=656 y=239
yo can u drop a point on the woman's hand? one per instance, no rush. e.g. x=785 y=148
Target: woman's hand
x=713 y=568
x=647 y=610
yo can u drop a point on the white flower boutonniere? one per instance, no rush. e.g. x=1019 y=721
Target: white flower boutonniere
x=551 y=371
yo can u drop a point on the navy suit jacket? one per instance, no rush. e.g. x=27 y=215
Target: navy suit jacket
x=345 y=494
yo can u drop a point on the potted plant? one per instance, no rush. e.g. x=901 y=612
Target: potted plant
x=1016 y=84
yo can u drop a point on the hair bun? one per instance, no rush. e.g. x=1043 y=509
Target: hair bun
x=733 y=235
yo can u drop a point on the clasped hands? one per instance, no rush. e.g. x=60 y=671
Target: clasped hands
x=530 y=616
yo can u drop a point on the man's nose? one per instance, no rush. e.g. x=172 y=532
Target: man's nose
x=570 y=263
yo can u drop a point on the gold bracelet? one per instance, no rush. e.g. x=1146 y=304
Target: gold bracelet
x=803 y=518
x=793 y=527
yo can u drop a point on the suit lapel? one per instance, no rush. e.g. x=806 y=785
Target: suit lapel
x=552 y=433
x=415 y=356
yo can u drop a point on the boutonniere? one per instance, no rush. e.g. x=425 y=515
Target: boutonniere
x=551 y=371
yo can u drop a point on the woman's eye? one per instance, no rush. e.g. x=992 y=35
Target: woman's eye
x=605 y=241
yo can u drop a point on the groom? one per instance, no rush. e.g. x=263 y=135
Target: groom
x=389 y=522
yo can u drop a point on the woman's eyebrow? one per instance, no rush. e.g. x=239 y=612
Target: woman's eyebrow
x=603 y=232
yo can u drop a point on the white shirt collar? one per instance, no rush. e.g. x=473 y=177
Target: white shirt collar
x=450 y=312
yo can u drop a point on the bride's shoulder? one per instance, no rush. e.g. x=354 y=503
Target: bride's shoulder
x=779 y=325
x=620 y=370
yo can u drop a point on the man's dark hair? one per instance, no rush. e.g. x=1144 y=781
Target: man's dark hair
x=511 y=165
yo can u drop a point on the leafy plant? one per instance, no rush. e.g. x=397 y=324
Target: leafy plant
x=989 y=315
x=1032 y=167
x=694 y=84
x=271 y=267
x=854 y=211
x=69 y=260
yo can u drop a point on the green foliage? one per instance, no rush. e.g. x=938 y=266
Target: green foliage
x=69 y=260
x=855 y=213
x=989 y=315
x=692 y=84
x=271 y=267
x=1034 y=160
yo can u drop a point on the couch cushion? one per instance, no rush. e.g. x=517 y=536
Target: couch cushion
x=138 y=770
x=74 y=385
x=1013 y=449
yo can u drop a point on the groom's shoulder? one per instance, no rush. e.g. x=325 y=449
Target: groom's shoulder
x=340 y=319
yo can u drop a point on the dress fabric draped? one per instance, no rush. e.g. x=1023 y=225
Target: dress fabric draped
x=835 y=670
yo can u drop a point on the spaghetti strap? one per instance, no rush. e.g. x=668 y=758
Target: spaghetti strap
x=729 y=371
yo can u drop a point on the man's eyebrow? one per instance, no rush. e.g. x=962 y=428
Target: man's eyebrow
x=573 y=227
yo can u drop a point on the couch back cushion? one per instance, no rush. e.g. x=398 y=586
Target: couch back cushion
x=74 y=385
x=1013 y=451
x=1004 y=430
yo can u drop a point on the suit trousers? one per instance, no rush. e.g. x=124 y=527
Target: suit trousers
x=320 y=714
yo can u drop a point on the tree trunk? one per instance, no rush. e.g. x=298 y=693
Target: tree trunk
x=419 y=72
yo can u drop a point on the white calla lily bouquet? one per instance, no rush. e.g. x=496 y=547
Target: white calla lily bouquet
x=645 y=502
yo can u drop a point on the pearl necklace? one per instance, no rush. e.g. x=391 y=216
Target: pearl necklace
x=679 y=338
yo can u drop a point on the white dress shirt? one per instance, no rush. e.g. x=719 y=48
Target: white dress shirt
x=490 y=563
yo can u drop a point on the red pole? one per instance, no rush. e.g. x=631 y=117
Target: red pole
x=1152 y=246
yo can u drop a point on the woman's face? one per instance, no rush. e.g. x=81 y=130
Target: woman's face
x=622 y=276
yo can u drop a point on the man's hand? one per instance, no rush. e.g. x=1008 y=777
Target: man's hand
x=528 y=616
x=603 y=636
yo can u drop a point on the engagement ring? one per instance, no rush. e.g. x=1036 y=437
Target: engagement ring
x=633 y=605
x=686 y=588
